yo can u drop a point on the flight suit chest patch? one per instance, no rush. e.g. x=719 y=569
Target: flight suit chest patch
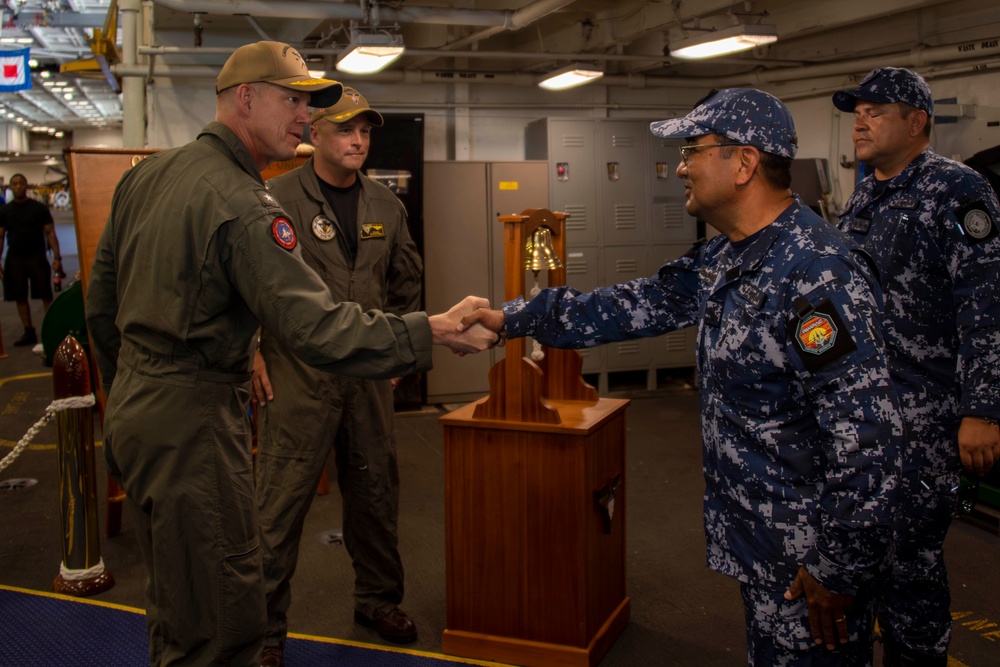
x=372 y=230
x=323 y=229
x=818 y=335
x=283 y=233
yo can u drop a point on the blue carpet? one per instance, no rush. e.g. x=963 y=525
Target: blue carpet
x=48 y=630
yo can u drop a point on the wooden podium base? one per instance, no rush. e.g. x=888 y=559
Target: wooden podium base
x=535 y=535
x=536 y=654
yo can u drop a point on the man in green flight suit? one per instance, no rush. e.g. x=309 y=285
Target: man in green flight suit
x=354 y=235
x=195 y=257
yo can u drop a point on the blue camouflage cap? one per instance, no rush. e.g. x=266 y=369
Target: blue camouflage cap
x=745 y=115
x=885 y=85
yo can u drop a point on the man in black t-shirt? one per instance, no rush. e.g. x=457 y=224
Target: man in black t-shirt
x=26 y=225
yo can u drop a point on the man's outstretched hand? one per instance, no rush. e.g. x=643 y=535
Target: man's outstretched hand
x=447 y=329
x=491 y=319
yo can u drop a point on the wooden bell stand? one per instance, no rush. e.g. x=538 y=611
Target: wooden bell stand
x=535 y=501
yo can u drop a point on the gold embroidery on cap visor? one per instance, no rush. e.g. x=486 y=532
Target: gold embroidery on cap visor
x=309 y=82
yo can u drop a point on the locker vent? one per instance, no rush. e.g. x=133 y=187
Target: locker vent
x=628 y=347
x=627 y=141
x=576 y=267
x=675 y=341
x=629 y=266
x=673 y=215
x=577 y=220
x=572 y=141
x=625 y=217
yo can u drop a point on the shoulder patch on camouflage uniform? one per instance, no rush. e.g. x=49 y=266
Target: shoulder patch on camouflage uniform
x=976 y=223
x=372 y=230
x=818 y=334
x=283 y=233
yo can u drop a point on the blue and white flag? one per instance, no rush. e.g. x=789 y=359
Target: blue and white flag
x=14 y=71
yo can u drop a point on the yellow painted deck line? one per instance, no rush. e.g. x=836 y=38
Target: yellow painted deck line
x=295 y=635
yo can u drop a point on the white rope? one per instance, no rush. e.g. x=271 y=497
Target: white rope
x=537 y=353
x=81 y=575
x=50 y=412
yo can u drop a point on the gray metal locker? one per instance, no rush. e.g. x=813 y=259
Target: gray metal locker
x=463 y=253
x=568 y=146
x=669 y=222
x=621 y=181
x=456 y=264
x=623 y=191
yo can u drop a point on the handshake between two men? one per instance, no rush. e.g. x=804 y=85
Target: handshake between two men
x=468 y=327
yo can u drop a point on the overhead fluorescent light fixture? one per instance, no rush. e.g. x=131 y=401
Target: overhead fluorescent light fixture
x=370 y=52
x=571 y=76
x=722 y=42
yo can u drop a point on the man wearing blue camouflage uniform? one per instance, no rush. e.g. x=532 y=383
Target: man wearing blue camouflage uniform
x=930 y=224
x=801 y=425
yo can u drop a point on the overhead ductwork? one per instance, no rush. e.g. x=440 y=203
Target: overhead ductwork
x=505 y=19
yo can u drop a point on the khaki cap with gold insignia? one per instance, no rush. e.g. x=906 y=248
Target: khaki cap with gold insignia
x=280 y=64
x=349 y=106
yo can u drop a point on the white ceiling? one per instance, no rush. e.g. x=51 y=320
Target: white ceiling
x=513 y=41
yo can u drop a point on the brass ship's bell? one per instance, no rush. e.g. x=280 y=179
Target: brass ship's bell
x=539 y=253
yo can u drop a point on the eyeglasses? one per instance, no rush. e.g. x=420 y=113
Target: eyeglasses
x=694 y=148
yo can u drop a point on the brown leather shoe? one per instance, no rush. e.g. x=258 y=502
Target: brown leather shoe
x=273 y=657
x=394 y=627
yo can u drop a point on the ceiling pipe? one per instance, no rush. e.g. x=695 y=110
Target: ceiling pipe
x=519 y=19
x=933 y=72
x=512 y=55
x=291 y=9
x=133 y=89
x=922 y=57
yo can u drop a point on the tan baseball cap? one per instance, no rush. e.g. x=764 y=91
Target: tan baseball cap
x=280 y=64
x=349 y=106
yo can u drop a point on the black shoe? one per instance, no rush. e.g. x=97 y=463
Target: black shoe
x=29 y=338
x=273 y=657
x=394 y=627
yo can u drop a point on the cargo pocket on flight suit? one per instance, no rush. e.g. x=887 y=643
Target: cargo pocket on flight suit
x=241 y=596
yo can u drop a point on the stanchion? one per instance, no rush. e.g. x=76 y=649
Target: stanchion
x=82 y=570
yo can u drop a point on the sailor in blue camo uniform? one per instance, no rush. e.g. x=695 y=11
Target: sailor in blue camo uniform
x=801 y=425
x=930 y=224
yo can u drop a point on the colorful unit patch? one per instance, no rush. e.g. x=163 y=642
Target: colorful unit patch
x=323 y=228
x=283 y=233
x=372 y=230
x=816 y=334
x=819 y=335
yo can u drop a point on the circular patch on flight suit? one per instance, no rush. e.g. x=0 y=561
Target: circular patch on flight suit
x=816 y=333
x=977 y=223
x=323 y=228
x=283 y=233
